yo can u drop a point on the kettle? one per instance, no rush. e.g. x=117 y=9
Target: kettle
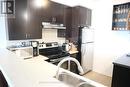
x=66 y=46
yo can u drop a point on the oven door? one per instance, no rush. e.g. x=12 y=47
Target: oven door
x=50 y=51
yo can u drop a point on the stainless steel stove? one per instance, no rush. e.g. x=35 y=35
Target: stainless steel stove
x=54 y=52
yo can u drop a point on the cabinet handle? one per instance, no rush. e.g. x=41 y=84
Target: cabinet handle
x=26 y=36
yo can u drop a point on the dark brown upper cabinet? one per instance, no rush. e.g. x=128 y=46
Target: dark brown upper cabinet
x=68 y=21
x=26 y=24
x=53 y=13
x=76 y=16
x=17 y=25
x=34 y=24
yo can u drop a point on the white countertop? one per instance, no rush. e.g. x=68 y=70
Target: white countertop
x=34 y=72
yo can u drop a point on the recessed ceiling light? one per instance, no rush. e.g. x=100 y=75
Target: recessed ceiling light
x=41 y=3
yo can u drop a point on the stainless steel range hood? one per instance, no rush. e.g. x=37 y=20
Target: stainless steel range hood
x=47 y=25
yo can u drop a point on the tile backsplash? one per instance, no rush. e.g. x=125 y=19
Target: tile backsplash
x=48 y=35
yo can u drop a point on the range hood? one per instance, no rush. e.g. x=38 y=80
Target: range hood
x=47 y=25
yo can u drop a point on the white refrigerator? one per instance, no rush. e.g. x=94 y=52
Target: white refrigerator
x=87 y=48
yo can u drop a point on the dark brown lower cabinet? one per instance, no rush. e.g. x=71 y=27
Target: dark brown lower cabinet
x=74 y=67
x=121 y=76
x=3 y=82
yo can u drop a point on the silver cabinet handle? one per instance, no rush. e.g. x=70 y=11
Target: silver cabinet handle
x=26 y=36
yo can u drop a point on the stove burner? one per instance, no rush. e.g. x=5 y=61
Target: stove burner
x=59 y=55
x=55 y=54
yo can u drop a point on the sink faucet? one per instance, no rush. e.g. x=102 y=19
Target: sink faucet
x=69 y=59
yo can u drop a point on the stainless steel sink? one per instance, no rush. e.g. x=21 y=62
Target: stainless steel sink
x=85 y=84
x=72 y=81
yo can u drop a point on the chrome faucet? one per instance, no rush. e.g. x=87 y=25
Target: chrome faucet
x=69 y=59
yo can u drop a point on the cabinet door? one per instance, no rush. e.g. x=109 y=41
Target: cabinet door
x=68 y=22
x=27 y=23
x=121 y=76
x=84 y=16
x=17 y=25
x=89 y=17
x=53 y=13
x=34 y=24
x=46 y=13
x=3 y=82
x=58 y=12
x=75 y=24
x=81 y=16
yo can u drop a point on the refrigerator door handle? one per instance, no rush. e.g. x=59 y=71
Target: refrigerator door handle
x=83 y=52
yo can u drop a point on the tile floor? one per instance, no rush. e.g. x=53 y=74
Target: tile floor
x=105 y=80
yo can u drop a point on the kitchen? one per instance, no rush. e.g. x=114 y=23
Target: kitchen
x=109 y=45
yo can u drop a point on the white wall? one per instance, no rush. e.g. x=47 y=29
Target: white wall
x=50 y=35
x=2 y=32
x=109 y=45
